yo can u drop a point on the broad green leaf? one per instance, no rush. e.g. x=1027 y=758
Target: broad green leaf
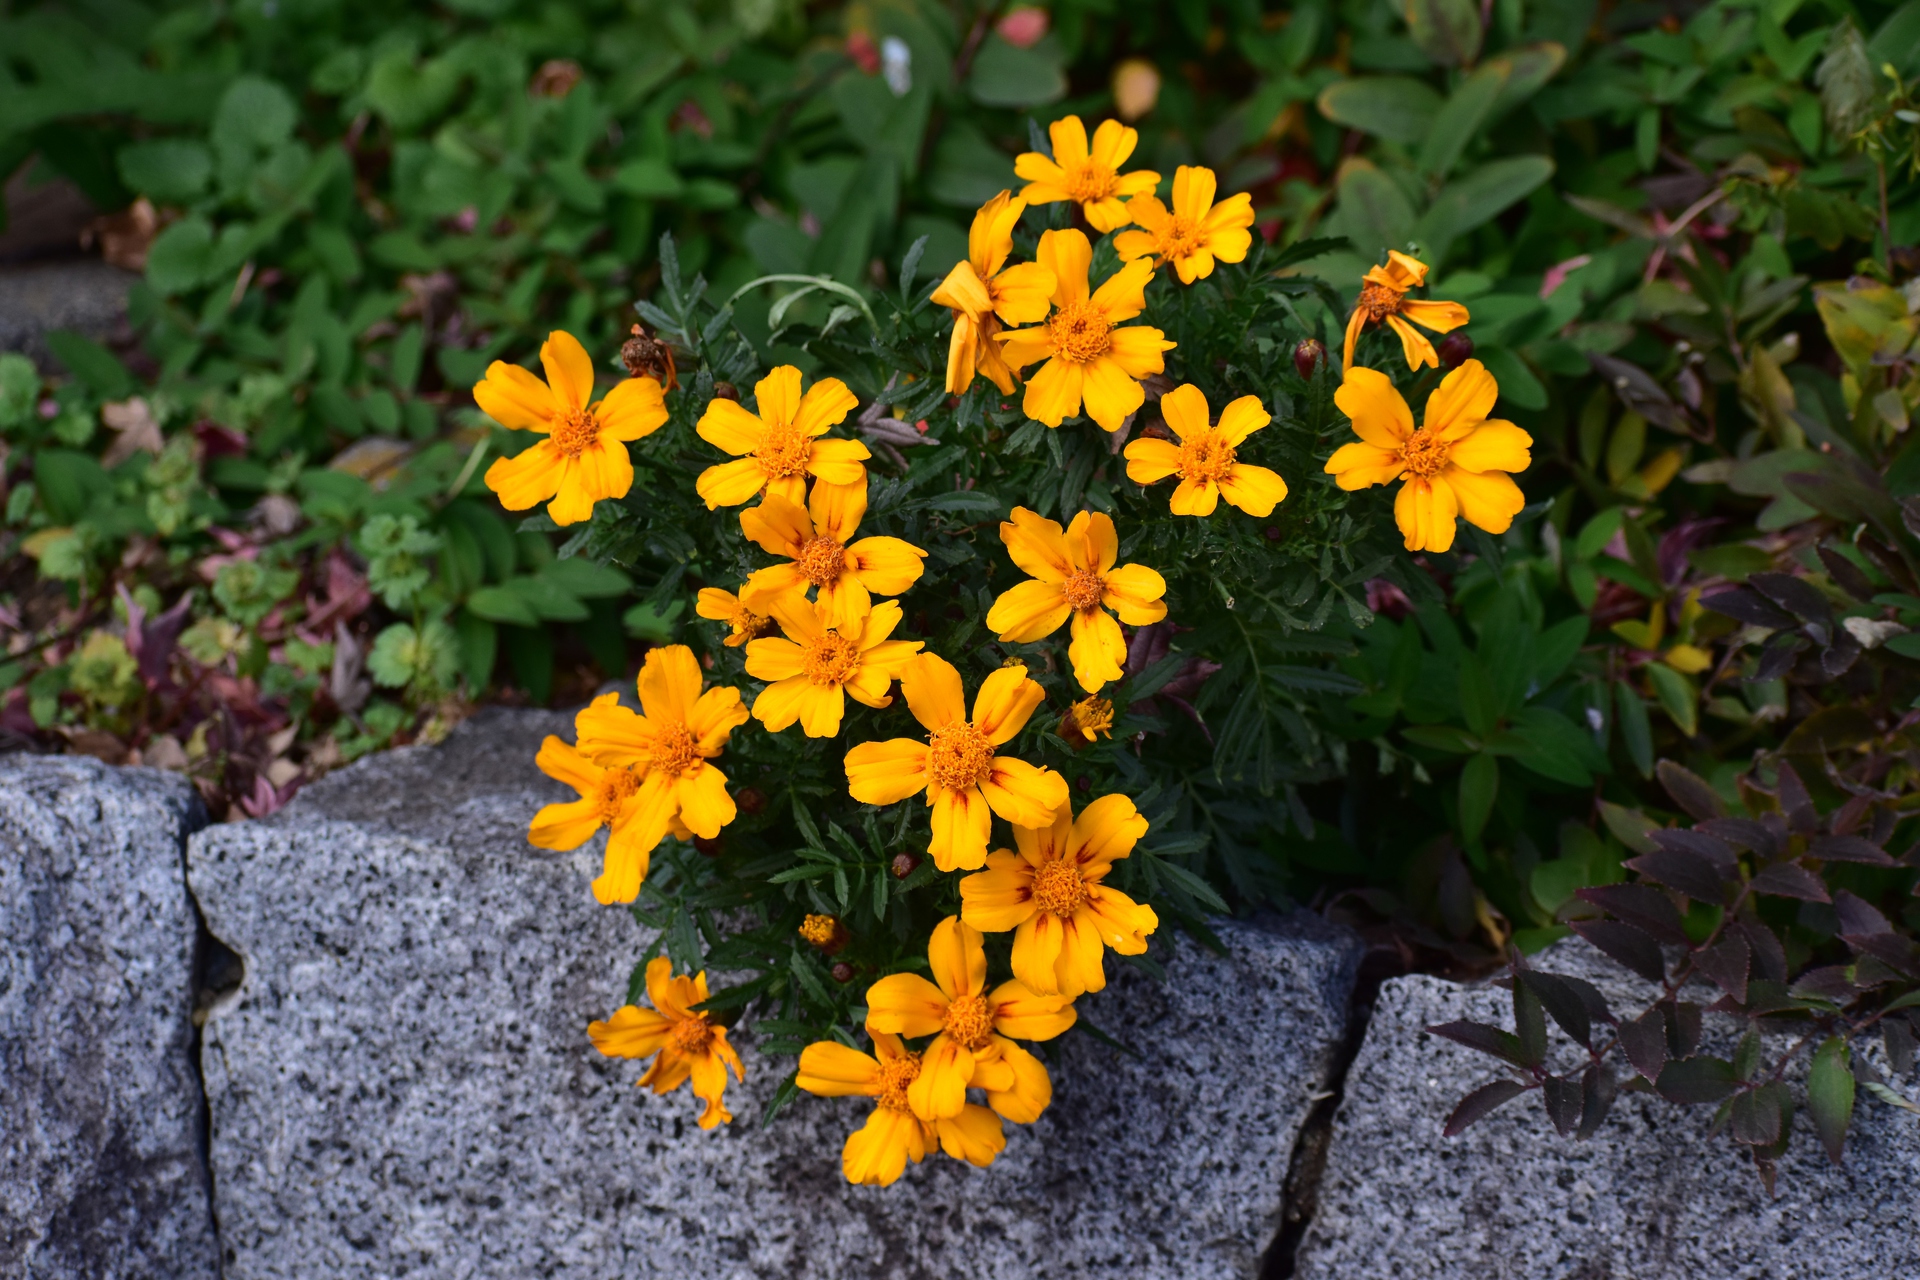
x=181 y=257
x=1479 y=785
x=1479 y=197
x=1678 y=698
x=1397 y=108
x=1448 y=31
x=967 y=170
x=1830 y=1094
x=166 y=170
x=587 y=580
x=1461 y=117
x=1374 y=212
x=1005 y=75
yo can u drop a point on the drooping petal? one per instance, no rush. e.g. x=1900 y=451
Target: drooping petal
x=1441 y=317
x=1414 y=345
x=886 y=772
x=1028 y=611
x=1001 y=897
x=530 y=477
x=565 y=826
x=906 y=1004
x=704 y=804
x=1097 y=650
x=1024 y=794
x=1005 y=702
x=1194 y=498
x=1150 y=461
x=631 y=843
x=1492 y=446
x=1031 y=1089
x=515 y=398
x=829 y=1069
x=1134 y=592
x=1488 y=499
x=963 y=353
x=940 y=1090
x=635 y=408
x=710 y=1086
x=569 y=370
x=1109 y=392
x=563 y=762
x=780 y=704
x=1255 y=490
x=961 y=823
x=956 y=958
x=876 y=1153
x=1026 y=1015
x=1037 y=545
x=1123 y=923
x=975 y=1135
x=632 y=1032
x=1081 y=965
x=933 y=691
x=1425 y=512
x=1021 y=293
x=1464 y=397
x=1380 y=414
x=963 y=290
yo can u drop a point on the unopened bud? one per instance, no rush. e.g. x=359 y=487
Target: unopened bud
x=903 y=865
x=843 y=972
x=709 y=847
x=752 y=800
x=1272 y=533
x=726 y=391
x=1455 y=350
x=1308 y=354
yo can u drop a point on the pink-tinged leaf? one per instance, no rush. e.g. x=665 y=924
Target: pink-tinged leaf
x=1690 y=873
x=1481 y=1101
x=1690 y=791
x=1727 y=963
x=1645 y=1042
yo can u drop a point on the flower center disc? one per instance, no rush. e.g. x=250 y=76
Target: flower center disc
x=1058 y=889
x=1083 y=590
x=1206 y=457
x=1379 y=301
x=969 y=1021
x=960 y=756
x=1182 y=238
x=573 y=433
x=785 y=453
x=614 y=790
x=832 y=659
x=673 y=751
x=895 y=1075
x=821 y=560
x=691 y=1035
x=1081 y=332
x=1089 y=181
x=1424 y=454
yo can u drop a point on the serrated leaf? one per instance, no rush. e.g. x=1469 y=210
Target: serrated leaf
x=1487 y=1039
x=1695 y=1081
x=1477 y=1104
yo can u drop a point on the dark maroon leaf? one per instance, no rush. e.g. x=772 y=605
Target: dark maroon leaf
x=1690 y=873
x=1590 y=996
x=1693 y=1081
x=1598 y=1089
x=1727 y=964
x=1747 y=605
x=1714 y=850
x=1790 y=880
x=1690 y=791
x=1884 y=821
x=1747 y=834
x=1795 y=804
x=1639 y=904
x=1764 y=998
x=1869 y=973
x=1828 y=982
x=1847 y=819
x=1478 y=1103
x=1776 y=659
x=1847 y=575
x=1530 y=1024
x=1848 y=849
x=1756 y=1117
x=1627 y=944
x=1477 y=1035
x=1563 y=1104
x=1683 y=1027
x=1562 y=1003
x=1838 y=657
x=1897 y=953
x=1858 y=916
x=1644 y=1041
x=1769 y=957
x=1796 y=595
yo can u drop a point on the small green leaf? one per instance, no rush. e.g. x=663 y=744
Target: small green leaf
x=1830 y=1094
x=1397 y=108
x=1479 y=784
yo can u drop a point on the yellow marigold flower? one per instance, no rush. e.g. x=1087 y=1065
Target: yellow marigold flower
x=1194 y=232
x=1383 y=296
x=825 y=932
x=1205 y=459
x=964 y=781
x=982 y=295
x=724 y=606
x=1050 y=893
x=818 y=544
x=780 y=447
x=1089 y=177
x=973 y=1029
x=1456 y=464
x=1090 y=358
x=1074 y=577
x=1091 y=716
x=688 y=1045
x=608 y=798
x=670 y=749
x=814 y=669
x=876 y=1154
x=584 y=457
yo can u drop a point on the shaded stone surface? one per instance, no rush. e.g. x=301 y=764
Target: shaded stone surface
x=102 y=1171
x=403 y=1085
x=1651 y=1196
x=85 y=295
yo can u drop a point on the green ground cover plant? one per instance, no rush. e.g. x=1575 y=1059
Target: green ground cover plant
x=257 y=541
